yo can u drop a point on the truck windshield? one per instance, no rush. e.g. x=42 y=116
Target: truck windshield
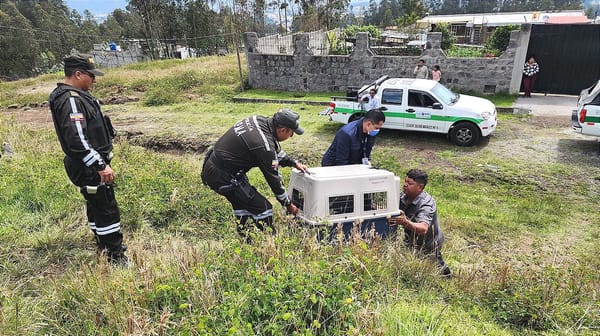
x=444 y=94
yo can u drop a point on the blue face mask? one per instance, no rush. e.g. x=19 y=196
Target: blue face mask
x=374 y=132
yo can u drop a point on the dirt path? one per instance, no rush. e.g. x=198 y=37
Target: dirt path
x=550 y=105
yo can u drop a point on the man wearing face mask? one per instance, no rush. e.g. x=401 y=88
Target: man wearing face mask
x=353 y=143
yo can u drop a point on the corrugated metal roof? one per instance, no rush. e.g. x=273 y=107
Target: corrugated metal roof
x=502 y=19
x=568 y=19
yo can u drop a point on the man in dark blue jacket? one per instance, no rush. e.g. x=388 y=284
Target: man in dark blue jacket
x=353 y=142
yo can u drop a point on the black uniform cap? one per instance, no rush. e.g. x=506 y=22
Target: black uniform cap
x=288 y=119
x=82 y=62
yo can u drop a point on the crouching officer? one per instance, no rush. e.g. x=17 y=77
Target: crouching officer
x=252 y=142
x=85 y=136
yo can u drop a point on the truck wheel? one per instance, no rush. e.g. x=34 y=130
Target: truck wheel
x=465 y=134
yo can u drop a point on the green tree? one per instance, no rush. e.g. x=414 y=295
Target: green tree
x=481 y=6
x=57 y=32
x=372 y=15
x=321 y=14
x=387 y=19
x=447 y=38
x=451 y=7
x=412 y=11
x=18 y=47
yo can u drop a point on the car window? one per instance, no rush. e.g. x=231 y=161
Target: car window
x=392 y=96
x=596 y=100
x=443 y=93
x=420 y=99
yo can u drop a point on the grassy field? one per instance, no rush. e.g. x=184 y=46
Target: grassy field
x=519 y=212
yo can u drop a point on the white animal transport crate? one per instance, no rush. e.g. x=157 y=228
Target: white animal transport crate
x=346 y=195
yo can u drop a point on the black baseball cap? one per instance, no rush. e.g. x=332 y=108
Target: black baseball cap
x=288 y=119
x=82 y=62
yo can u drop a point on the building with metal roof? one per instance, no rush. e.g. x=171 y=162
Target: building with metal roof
x=476 y=28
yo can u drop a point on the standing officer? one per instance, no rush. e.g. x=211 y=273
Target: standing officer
x=85 y=136
x=353 y=142
x=252 y=142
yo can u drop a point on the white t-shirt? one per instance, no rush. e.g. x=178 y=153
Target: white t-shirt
x=373 y=103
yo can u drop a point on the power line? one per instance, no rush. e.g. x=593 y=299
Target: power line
x=108 y=37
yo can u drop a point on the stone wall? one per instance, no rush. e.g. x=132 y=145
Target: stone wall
x=306 y=72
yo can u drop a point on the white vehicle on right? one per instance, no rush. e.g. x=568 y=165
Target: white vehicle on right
x=586 y=118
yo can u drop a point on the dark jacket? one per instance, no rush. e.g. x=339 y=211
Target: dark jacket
x=83 y=132
x=349 y=146
x=252 y=142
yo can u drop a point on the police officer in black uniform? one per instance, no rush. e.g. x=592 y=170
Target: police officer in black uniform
x=85 y=136
x=253 y=142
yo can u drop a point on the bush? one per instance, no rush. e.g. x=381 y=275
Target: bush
x=456 y=51
x=498 y=42
x=447 y=38
x=351 y=31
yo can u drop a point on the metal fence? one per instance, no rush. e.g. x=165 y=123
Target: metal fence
x=282 y=44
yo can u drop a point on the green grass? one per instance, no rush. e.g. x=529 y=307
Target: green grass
x=270 y=94
x=500 y=100
x=520 y=220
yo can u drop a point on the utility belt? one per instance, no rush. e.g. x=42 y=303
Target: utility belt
x=238 y=181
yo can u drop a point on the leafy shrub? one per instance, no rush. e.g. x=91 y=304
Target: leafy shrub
x=351 y=31
x=459 y=51
x=498 y=42
x=338 y=43
x=160 y=96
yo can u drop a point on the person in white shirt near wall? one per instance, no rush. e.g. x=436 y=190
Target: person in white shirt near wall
x=421 y=70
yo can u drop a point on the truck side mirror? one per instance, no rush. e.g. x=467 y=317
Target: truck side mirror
x=437 y=106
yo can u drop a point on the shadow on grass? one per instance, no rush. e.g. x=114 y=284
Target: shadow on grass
x=425 y=140
x=580 y=151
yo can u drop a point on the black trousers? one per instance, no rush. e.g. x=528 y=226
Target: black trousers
x=104 y=217
x=246 y=201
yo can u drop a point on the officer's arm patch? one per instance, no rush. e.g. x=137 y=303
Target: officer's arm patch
x=76 y=117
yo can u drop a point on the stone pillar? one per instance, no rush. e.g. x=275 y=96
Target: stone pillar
x=302 y=60
x=434 y=40
x=520 y=42
x=361 y=47
x=300 y=43
x=433 y=47
x=251 y=42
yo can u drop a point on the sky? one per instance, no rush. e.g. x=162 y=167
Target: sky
x=100 y=9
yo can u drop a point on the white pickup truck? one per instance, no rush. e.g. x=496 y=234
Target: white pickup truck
x=586 y=118
x=422 y=105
